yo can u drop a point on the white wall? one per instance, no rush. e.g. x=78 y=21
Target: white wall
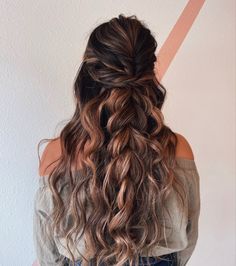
x=41 y=44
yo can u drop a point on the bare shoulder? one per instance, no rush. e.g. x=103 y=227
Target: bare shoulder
x=50 y=155
x=183 y=149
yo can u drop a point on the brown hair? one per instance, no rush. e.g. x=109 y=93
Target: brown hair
x=126 y=152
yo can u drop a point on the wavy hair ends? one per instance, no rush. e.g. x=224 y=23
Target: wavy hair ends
x=117 y=153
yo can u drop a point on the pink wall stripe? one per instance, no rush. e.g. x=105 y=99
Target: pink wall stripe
x=176 y=36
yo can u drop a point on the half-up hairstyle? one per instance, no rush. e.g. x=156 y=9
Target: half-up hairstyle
x=117 y=154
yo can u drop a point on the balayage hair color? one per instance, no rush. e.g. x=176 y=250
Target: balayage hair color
x=116 y=151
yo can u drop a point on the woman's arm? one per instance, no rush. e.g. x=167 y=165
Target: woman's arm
x=192 y=175
x=45 y=247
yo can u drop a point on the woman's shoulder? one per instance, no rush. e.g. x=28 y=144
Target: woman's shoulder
x=183 y=148
x=184 y=154
x=50 y=156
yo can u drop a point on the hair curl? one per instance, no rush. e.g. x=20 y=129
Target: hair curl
x=124 y=150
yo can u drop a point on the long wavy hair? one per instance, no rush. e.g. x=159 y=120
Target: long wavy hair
x=117 y=154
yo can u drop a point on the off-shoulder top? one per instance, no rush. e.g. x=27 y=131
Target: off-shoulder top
x=51 y=250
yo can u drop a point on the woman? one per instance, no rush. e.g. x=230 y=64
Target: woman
x=118 y=186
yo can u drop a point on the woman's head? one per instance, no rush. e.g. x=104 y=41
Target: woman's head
x=126 y=153
x=120 y=53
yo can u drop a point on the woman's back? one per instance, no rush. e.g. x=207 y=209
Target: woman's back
x=181 y=238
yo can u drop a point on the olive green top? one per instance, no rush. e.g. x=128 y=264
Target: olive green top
x=51 y=250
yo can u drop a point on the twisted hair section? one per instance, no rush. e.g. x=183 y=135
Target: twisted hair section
x=117 y=154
